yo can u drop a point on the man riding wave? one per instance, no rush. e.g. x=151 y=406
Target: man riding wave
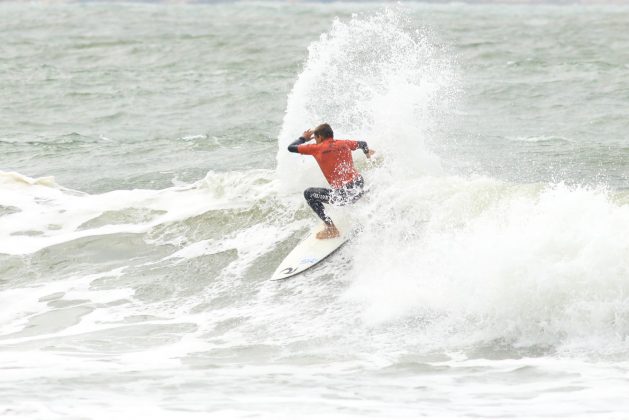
x=335 y=160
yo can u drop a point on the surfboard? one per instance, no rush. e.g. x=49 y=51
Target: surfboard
x=311 y=251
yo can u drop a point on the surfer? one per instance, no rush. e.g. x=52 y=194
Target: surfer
x=335 y=160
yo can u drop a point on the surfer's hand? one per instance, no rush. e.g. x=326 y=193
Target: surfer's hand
x=307 y=134
x=370 y=153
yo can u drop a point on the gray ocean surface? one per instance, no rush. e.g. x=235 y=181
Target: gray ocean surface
x=146 y=197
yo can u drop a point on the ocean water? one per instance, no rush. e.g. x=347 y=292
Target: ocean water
x=146 y=197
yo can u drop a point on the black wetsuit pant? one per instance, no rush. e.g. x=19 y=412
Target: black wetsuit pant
x=349 y=194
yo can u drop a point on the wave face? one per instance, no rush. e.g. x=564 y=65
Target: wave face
x=476 y=261
x=140 y=221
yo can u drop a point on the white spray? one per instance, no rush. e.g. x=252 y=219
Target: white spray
x=372 y=79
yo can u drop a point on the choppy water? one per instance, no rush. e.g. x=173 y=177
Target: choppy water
x=146 y=197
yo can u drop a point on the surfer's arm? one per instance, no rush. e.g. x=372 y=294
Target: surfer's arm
x=294 y=145
x=362 y=145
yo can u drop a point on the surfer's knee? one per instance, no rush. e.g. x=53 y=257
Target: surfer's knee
x=316 y=195
x=308 y=194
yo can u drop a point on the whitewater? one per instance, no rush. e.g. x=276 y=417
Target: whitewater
x=146 y=197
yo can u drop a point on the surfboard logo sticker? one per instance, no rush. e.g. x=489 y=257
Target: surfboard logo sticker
x=288 y=270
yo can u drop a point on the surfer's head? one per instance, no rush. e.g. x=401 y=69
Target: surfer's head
x=323 y=132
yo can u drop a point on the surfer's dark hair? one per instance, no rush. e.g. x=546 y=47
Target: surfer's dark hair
x=324 y=130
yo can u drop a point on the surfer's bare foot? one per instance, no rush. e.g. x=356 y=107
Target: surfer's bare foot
x=328 y=233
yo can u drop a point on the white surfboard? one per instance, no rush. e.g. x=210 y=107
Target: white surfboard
x=311 y=250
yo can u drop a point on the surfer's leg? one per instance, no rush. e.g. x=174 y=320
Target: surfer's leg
x=315 y=197
x=357 y=190
x=349 y=194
